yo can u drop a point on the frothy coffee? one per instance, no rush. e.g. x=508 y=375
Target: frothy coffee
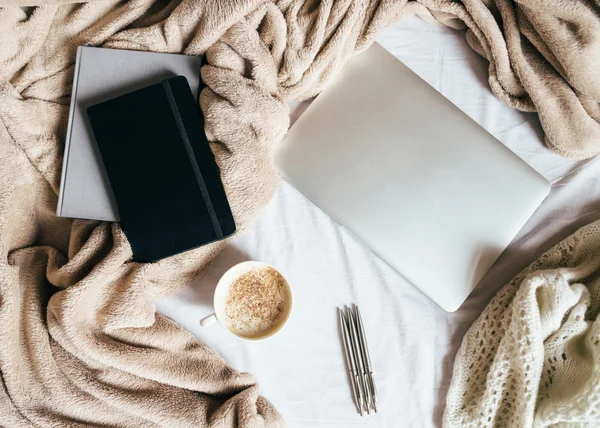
x=257 y=303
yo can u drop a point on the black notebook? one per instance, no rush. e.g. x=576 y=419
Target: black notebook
x=166 y=182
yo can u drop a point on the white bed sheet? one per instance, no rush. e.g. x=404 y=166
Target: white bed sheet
x=412 y=342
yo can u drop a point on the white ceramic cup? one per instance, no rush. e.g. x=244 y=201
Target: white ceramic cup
x=222 y=291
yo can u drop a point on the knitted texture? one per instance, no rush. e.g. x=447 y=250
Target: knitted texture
x=533 y=356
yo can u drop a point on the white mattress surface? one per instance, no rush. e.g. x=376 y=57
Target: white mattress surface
x=412 y=342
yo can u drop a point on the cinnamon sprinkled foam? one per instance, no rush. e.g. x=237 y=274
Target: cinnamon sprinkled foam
x=257 y=302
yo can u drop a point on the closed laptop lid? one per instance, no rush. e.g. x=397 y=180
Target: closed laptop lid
x=410 y=175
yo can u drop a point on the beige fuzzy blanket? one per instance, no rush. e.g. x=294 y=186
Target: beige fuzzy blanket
x=81 y=342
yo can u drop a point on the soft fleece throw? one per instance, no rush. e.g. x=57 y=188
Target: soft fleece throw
x=81 y=342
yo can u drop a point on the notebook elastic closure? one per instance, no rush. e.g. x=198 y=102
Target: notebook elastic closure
x=190 y=152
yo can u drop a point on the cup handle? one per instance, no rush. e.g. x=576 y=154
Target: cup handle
x=209 y=320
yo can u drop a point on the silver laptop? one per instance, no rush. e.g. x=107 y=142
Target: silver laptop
x=410 y=175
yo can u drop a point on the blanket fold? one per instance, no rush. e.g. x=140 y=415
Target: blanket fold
x=82 y=342
x=533 y=356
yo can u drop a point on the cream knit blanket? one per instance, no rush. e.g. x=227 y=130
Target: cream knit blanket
x=81 y=342
x=533 y=356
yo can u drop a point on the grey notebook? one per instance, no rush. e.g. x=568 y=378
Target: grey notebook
x=102 y=74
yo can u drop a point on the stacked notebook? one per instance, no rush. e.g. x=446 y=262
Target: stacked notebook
x=136 y=152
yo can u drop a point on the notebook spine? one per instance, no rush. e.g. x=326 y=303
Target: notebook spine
x=194 y=162
x=63 y=176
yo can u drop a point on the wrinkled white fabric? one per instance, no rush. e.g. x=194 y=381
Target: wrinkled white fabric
x=413 y=343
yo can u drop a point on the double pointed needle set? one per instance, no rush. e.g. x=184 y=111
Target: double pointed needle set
x=358 y=359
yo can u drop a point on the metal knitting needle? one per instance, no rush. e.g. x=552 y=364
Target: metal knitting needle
x=362 y=370
x=368 y=374
x=362 y=388
x=350 y=361
x=366 y=357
